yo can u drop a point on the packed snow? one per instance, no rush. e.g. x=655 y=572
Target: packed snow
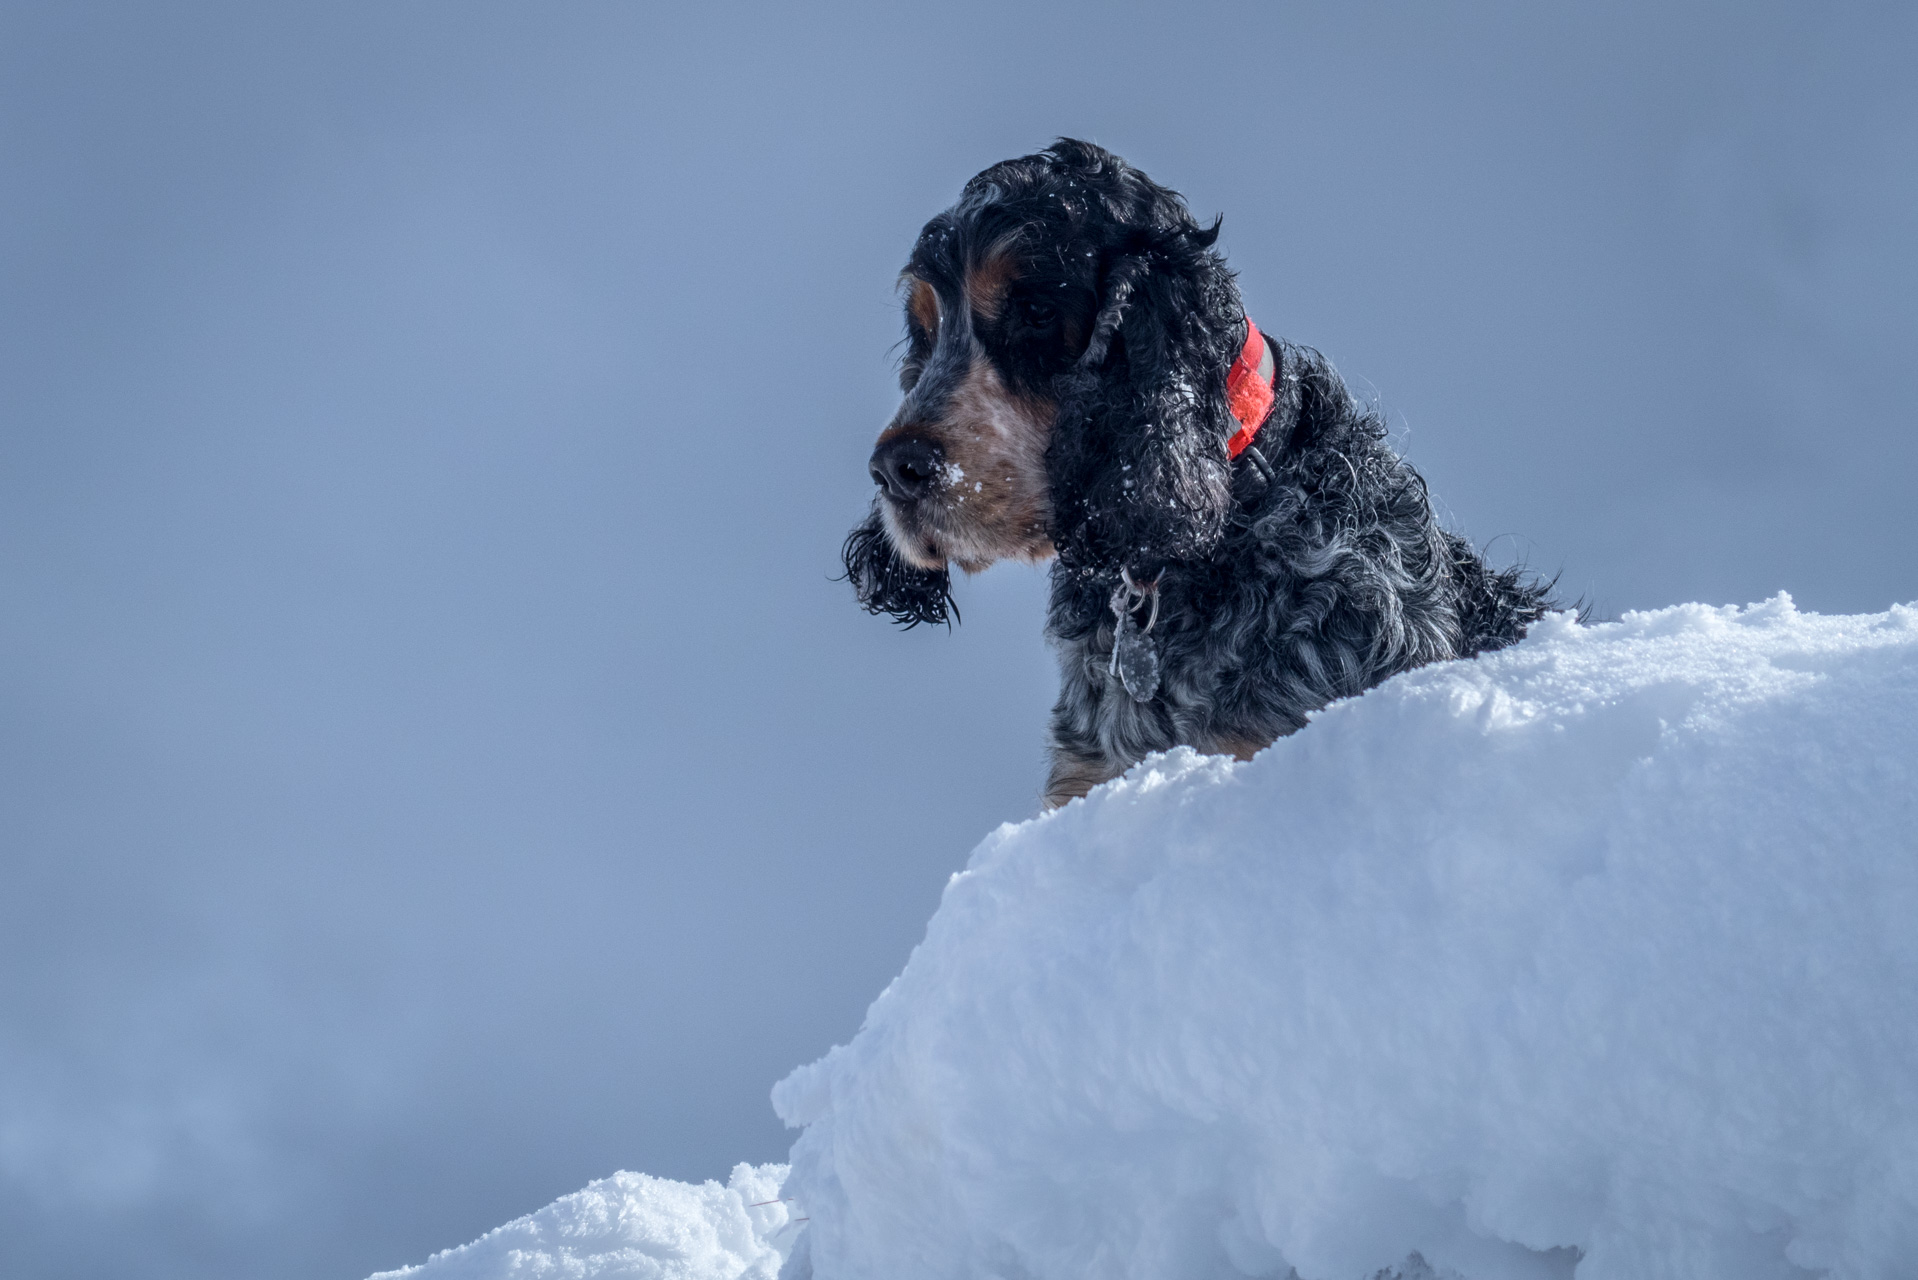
x=632 y=1227
x=1596 y=957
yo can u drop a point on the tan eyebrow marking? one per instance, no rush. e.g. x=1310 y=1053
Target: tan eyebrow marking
x=923 y=303
x=986 y=283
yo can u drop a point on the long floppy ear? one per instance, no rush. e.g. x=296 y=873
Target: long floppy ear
x=1138 y=466
x=886 y=584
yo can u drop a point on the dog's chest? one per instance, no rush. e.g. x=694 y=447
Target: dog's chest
x=1096 y=706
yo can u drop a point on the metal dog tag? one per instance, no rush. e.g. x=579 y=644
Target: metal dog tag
x=1137 y=659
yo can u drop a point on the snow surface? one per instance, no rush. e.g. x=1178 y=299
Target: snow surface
x=1606 y=945
x=1594 y=957
x=636 y=1228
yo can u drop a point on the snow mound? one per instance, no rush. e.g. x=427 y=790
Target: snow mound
x=634 y=1227
x=1596 y=956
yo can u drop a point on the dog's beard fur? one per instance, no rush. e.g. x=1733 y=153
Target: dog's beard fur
x=885 y=582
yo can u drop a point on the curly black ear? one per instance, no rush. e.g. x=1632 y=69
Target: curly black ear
x=886 y=584
x=1138 y=466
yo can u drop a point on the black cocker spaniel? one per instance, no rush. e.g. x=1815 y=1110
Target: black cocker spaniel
x=1236 y=545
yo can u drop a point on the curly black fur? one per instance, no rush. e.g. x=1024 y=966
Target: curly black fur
x=1331 y=577
x=1308 y=569
x=886 y=584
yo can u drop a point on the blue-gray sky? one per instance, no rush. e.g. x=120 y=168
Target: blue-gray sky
x=435 y=767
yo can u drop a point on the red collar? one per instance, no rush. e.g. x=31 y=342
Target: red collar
x=1248 y=388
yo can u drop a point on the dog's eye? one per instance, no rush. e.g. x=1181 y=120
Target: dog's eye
x=1037 y=313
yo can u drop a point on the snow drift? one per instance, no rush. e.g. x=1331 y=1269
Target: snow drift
x=1601 y=948
x=634 y=1227
x=1594 y=957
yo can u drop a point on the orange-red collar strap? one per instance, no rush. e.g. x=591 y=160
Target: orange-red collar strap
x=1248 y=388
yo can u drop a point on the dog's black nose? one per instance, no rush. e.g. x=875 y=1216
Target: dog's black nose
x=904 y=466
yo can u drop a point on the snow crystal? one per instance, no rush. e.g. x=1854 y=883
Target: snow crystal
x=1597 y=955
x=634 y=1227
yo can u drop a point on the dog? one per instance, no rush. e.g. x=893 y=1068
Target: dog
x=1233 y=543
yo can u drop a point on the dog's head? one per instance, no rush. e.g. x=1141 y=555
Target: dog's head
x=1069 y=328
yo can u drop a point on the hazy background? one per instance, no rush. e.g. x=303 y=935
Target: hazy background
x=435 y=767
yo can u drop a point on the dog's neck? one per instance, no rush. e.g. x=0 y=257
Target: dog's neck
x=1262 y=397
